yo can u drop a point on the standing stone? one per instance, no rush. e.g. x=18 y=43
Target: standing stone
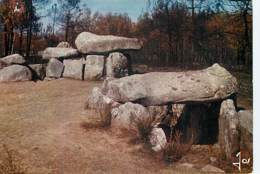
x=116 y=65
x=15 y=73
x=94 y=67
x=89 y=43
x=246 y=132
x=13 y=59
x=127 y=114
x=73 y=69
x=246 y=120
x=229 y=129
x=54 y=68
x=157 y=139
x=39 y=71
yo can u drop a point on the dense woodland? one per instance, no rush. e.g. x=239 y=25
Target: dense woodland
x=185 y=33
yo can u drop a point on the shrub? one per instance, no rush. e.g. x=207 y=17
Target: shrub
x=10 y=163
x=144 y=127
x=103 y=110
x=105 y=115
x=175 y=148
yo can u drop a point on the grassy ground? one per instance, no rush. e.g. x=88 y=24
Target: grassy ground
x=46 y=124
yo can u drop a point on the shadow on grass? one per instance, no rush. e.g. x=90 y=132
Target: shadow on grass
x=97 y=125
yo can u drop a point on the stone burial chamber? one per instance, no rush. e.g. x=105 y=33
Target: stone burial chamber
x=96 y=57
x=200 y=104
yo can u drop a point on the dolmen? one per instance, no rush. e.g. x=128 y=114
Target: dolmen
x=201 y=104
x=96 y=57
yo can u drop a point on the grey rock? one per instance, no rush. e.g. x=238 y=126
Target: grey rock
x=89 y=43
x=213 y=160
x=97 y=101
x=246 y=120
x=140 y=69
x=160 y=88
x=13 y=59
x=116 y=65
x=94 y=66
x=54 y=68
x=3 y=64
x=39 y=70
x=157 y=139
x=185 y=166
x=229 y=137
x=15 y=73
x=64 y=45
x=128 y=114
x=73 y=68
x=211 y=169
x=55 y=52
x=246 y=131
x=49 y=78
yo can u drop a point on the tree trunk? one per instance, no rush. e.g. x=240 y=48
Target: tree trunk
x=67 y=27
x=29 y=31
x=6 y=40
x=192 y=30
x=21 y=41
x=246 y=37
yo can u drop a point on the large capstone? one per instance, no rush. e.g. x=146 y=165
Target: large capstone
x=73 y=69
x=54 y=68
x=13 y=59
x=15 y=73
x=61 y=53
x=94 y=66
x=160 y=88
x=89 y=43
x=229 y=137
x=116 y=65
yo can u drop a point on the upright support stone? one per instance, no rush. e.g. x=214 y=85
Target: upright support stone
x=54 y=68
x=116 y=65
x=229 y=137
x=73 y=68
x=94 y=66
